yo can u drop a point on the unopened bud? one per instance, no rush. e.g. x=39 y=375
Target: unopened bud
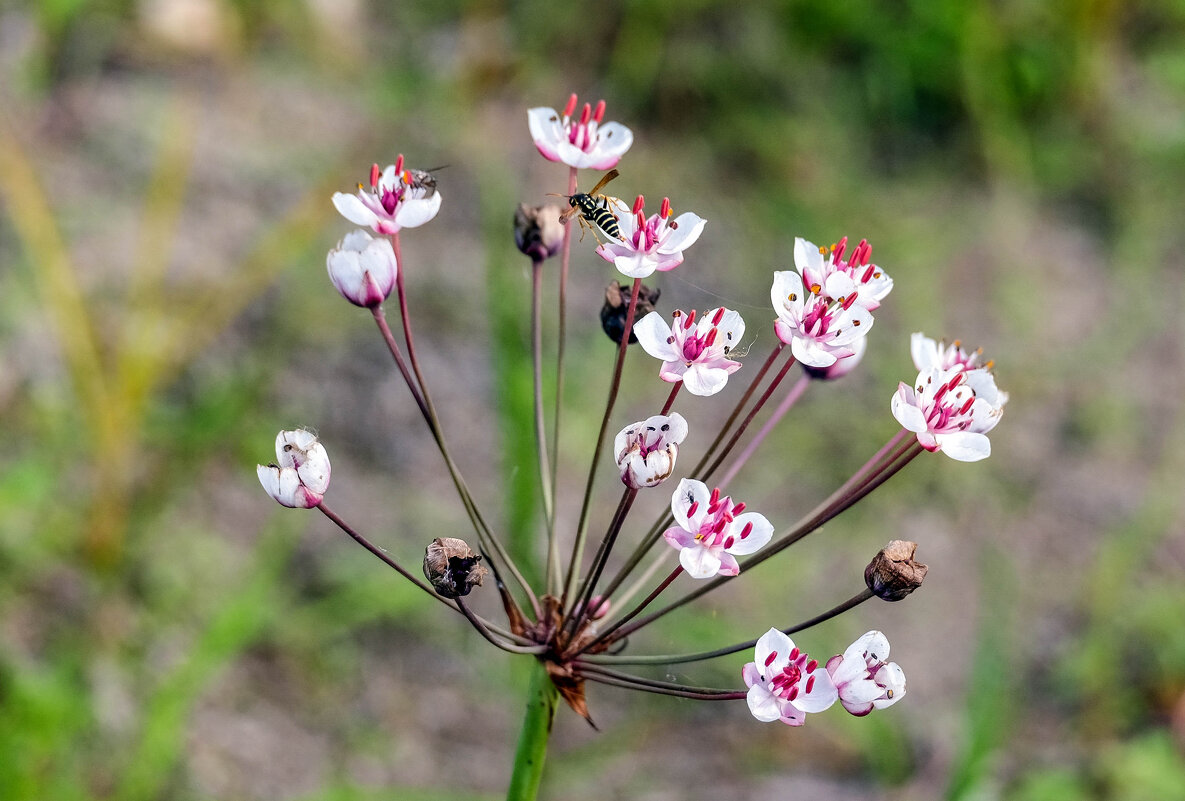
x=451 y=567
x=617 y=304
x=893 y=574
x=538 y=231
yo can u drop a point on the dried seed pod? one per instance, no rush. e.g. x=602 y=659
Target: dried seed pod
x=893 y=574
x=451 y=567
x=617 y=303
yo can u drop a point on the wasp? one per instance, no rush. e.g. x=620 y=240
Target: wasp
x=593 y=209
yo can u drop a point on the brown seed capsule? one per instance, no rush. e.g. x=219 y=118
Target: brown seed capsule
x=538 y=231
x=617 y=304
x=893 y=574
x=452 y=568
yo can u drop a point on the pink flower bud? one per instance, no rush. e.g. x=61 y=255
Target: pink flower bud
x=301 y=477
x=363 y=269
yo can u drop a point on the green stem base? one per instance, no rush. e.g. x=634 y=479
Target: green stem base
x=542 y=697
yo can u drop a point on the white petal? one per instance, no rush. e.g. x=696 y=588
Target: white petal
x=759 y=535
x=699 y=562
x=653 y=332
x=354 y=209
x=811 y=353
x=822 y=693
x=704 y=381
x=414 y=212
x=773 y=642
x=635 y=265
x=964 y=446
x=807 y=257
x=688 y=228
x=687 y=493
x=763 y=704
x=854 y=323
x=872 y=646
x=732 y=328
x=787 y=283
x=908 y=415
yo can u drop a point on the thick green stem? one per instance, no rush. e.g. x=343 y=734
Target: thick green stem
x=542 y=697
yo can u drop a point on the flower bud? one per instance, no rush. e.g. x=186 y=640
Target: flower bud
x=893 y=573
x=363 y=269
x=645 y=452
x=451 y=567
x=538 y=231
x=300 y=478
x=617 y=304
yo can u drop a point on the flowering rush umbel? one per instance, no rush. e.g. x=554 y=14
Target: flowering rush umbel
x=571 y=614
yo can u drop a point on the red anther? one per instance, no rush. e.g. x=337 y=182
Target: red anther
x=399 y=164
x=716 y=491
x=691 y=510
x=568 y=109
x=810 y=668
x=690 y=319
x=747 y=530
x=810 y=684
x=866 y=253
x=718 y=316
x=794 y=654
x=740 y=507
x=664 y=211
x=769 y=660
x=850 y=299
x=639 y=204
x=793 y=693
x=967 y=406
x=375 y=172
x=728 y=543
x=585 y=114
x=838 y=249
x=956 y=380
x=641 y=218
x=711 y=337
x=871 y=271
x=599 y=114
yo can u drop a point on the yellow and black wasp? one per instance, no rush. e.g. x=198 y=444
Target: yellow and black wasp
x=593 y=209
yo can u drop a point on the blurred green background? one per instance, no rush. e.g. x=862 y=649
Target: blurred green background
x=166 y=631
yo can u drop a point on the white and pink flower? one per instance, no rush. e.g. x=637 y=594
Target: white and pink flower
x=396 y=199
x=825 y=306
x=691 y=352
x=650 y=243
x=864 y=677
x=300 y=478
x=713 y=530
x=784 y=683
x=645 y=452
x=929 y=353
x=363 y=269
x=951 y=410
x=579 y=142
x=870 y=283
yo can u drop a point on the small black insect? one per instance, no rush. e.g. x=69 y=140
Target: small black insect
x=594 y=209
x=422 y=179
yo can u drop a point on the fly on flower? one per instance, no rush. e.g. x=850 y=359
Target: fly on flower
x=593 y=210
